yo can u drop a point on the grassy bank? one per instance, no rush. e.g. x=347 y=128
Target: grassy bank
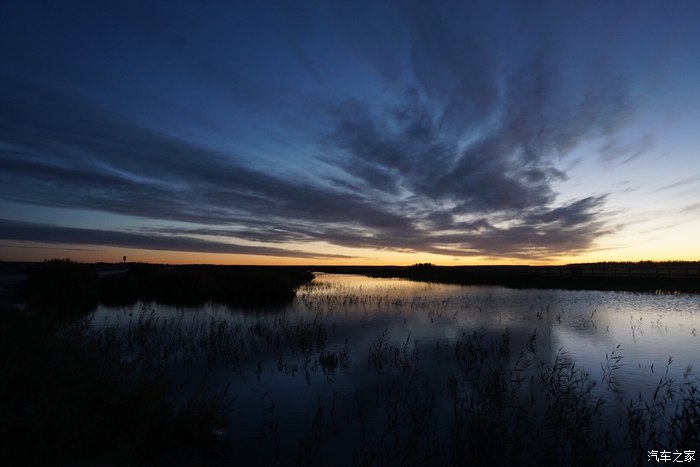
x=243 y=286
x=67 y=289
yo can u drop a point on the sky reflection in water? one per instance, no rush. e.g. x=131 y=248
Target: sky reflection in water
x=277 y=394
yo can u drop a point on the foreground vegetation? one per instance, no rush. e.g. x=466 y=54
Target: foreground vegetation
x=69 y=395
x=68 y=399
x=492 y=405
x=134 y=392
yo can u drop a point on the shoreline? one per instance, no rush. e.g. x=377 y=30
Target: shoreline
x=652 y=278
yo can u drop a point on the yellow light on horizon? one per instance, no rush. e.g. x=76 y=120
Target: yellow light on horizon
x=675 y=249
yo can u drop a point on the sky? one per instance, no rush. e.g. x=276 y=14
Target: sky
x=363 y=132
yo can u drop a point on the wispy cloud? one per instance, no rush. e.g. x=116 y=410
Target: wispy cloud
x=690 y=208
x=458 y=155
x=680 y=183
x=626 y=151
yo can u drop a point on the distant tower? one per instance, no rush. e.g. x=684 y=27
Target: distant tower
x=124 y=260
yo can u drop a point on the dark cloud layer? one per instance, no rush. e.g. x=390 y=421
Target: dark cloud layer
x=458 y=158
x=45 y=233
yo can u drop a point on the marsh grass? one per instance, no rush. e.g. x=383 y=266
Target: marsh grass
x=670 y=419
x=385 y=356
x=512 y=411
x=480 y=398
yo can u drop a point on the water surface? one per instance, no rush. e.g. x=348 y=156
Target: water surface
x=354 y=366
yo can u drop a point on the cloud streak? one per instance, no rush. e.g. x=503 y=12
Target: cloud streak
x=458 y=156
x=45 y=233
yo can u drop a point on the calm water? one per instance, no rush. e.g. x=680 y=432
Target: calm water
x=353 y=359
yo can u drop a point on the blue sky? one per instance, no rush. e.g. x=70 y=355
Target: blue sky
x=350 y=132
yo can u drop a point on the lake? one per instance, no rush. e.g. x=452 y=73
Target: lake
x=366 y=371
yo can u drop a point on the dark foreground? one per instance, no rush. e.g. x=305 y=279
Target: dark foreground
x=67 y=398
x=63 y=288
x=70 y=397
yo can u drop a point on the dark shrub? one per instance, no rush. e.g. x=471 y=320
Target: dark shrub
x=62 y=289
